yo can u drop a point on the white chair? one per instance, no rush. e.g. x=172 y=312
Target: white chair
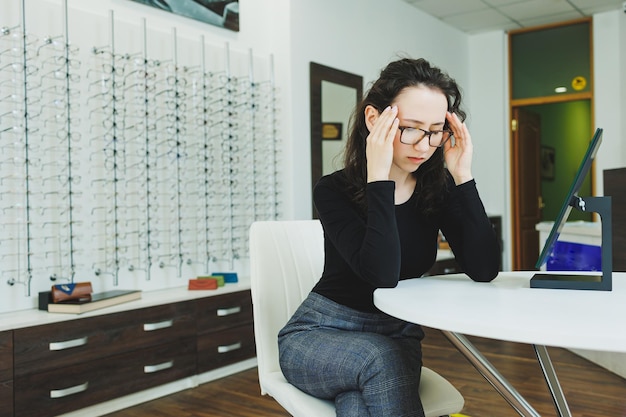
x=286 y=260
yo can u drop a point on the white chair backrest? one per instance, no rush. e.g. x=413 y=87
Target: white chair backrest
x=286 y=260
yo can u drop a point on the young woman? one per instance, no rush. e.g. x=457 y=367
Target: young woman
x=407 y=175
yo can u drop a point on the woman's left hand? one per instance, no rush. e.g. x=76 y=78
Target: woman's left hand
x=458 y=157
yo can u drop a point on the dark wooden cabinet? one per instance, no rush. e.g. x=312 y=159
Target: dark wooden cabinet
x=450 y=266
x=615 y=186
x=225 y=331
x=67 y=343
x=57 y=391
x=6 y=374
x=496 y=223
x=60 y=367
x=444 y=266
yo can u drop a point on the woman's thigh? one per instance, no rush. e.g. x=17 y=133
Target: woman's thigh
x=326 y=362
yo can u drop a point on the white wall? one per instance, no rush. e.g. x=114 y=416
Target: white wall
x=488 y=87
x=609 y=33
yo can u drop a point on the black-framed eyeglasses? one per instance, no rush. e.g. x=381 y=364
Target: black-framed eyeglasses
x=412 y=135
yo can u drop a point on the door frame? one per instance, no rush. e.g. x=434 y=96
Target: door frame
x=525 y=183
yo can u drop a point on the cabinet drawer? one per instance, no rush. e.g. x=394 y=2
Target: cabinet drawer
x=71 y=388
x=6 y=374
x=224 y=311
x=73 y=342
x=225 y=347
x=6 y=356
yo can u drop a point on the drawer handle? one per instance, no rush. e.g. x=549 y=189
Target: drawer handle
x=60 y=393
x=148 y=327
x=148 y=369
x=68 y=343
x=221 y=312
x=229 y=348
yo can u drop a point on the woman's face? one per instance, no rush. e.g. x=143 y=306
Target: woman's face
x=418 y=107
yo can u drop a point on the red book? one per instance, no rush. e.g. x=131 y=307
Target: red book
x=202 y=284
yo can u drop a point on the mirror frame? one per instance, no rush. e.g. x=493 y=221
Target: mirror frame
x=319 y=73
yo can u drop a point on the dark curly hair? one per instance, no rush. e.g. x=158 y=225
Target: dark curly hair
x=398 y=75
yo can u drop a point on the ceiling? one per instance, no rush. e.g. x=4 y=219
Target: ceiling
x=476 y=16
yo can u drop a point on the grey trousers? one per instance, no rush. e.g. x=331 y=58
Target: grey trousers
x=368 y=363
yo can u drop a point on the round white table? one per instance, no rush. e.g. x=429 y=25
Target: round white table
x=508 y=309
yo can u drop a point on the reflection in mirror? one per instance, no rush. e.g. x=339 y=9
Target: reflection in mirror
x=337 y=106
x=334 y=94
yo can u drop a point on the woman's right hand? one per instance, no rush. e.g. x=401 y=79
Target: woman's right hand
x=379 y=145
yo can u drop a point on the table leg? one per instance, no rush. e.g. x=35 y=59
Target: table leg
x=491 y=374
x=553 y=382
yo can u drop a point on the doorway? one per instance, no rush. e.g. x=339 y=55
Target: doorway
x=551 y=125
x=548 y=141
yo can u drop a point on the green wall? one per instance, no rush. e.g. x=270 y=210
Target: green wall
x=545 y=59
x=566 y=127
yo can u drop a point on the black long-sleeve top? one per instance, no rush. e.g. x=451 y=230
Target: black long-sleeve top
x=394 y=242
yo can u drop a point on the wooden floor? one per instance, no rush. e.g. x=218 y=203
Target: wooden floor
x=590 y=390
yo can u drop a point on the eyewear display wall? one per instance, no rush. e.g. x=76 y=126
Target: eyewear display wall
x=118 y=165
